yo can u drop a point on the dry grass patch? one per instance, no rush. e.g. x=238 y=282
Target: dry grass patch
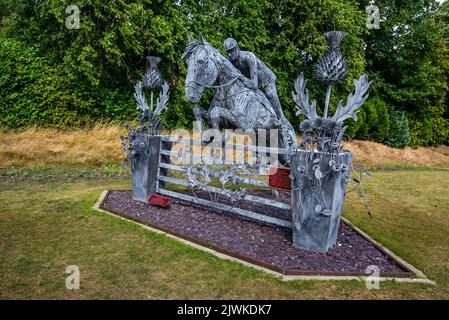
x=377 y=154
x=37 y=147
x=100 y=145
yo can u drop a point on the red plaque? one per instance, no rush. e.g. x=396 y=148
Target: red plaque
x=159 y=201
x=279 y=178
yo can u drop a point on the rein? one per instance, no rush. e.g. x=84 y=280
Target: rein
x=215 y=87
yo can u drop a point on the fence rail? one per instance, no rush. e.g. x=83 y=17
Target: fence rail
x=231 y=146
x=235 y=180
x=165 y=167
x=227 y=208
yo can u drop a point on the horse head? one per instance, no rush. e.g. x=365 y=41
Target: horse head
x=202 y=69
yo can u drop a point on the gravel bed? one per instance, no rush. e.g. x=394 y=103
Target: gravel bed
x=265 y=243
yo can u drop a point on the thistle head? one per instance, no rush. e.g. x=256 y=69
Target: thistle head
x=332 y=68
x=331 y=126
x=317 y=124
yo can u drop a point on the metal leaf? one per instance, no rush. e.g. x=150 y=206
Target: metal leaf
x=355 y=100
x=139 y=96
x=302 y=99
x=163 y=100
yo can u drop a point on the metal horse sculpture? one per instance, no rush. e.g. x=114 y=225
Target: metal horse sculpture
x=234 y=105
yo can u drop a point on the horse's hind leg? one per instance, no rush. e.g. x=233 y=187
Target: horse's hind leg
x=287 y=140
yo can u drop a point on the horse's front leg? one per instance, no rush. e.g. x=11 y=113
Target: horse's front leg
x=200 y=114
x=217 y=116
x=220 y=115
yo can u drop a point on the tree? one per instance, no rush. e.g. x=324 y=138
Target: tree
x=407 y=58
x=107 y=54
x=399 y=133
x=102 y=60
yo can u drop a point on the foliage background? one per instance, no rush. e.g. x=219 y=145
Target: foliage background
x=54 y=77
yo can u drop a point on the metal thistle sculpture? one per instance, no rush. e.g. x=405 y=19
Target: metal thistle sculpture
x=324 y=133
x=142 y=143
x=152 y=80
x=150 y=119
x=320 y=169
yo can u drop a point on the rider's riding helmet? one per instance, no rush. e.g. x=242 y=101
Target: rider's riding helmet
x=229 y=44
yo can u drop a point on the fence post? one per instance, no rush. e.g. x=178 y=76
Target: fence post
x=317 y=201
x=165 y=145
x=144 y=167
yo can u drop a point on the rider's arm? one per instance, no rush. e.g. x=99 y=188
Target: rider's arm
x=252 y=63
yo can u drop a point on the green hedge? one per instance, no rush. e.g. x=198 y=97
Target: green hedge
x=33 y=92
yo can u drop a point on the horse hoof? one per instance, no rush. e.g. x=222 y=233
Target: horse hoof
x=206 y=143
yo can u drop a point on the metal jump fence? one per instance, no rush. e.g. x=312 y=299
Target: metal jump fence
x=176 y=172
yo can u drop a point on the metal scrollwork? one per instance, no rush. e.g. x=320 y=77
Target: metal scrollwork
x=201 y=176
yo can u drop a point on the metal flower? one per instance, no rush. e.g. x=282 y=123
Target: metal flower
x=325 y=124
x=305 y=126
x=149 y=118
x=152 y=78
x=136 y=142
x=334 y=38
x=332 y=126
x=317 y=124
x=326 y=133
x=331 y=69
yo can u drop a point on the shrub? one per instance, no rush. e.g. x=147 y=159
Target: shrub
x=399 y=133
x=35 y=92
x=32 y=92
x=373 y=121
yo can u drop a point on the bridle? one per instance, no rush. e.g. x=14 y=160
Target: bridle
x=211 y=86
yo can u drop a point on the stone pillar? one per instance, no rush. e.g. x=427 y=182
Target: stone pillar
x=144 y=166
x=318 y=192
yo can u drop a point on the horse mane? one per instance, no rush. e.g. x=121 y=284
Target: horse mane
x=189 y=50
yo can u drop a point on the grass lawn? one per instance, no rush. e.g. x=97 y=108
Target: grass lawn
x=47 y=225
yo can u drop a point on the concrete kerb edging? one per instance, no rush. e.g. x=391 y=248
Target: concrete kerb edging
x=420 y=279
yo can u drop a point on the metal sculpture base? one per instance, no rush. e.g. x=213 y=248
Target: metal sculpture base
x=144 y=167
x=317 y=202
